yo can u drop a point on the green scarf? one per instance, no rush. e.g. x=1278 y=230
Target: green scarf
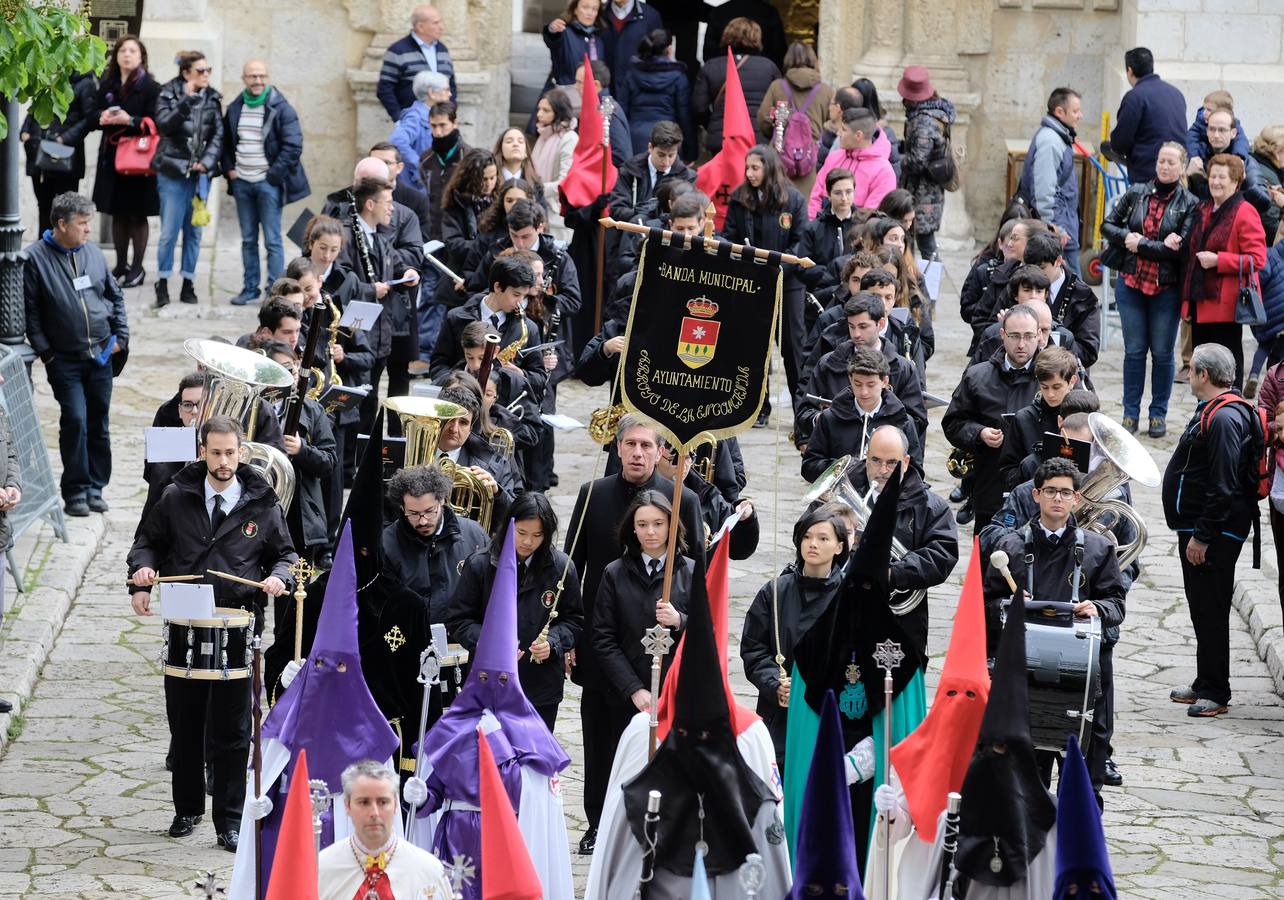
x=254 y=102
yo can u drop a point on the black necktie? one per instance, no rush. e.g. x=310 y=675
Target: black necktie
x=653 y=567
x=494 y=320
x=219 y=514
x=1054 y=539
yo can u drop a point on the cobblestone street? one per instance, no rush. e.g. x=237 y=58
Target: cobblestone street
x=85 y=798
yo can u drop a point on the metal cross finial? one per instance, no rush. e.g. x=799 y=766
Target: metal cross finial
x=460 y=872
x=209 y=884
x=888 y=655
x=302 y=570
x=319 y=792
x=657 y=641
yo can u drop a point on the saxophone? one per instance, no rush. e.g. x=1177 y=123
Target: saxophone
x=509 y=353
x=321 y=380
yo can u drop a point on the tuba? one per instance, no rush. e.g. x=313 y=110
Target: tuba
x=235 y=381
x=834 y=485
x=1122 y=458
x=421 y=421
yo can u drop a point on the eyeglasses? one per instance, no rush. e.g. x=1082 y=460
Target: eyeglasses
x=426 y=515
x=1022 y=337
x=188 y=405
x=1055 y=493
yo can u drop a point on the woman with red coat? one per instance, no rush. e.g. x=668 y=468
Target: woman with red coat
x=1227 y=239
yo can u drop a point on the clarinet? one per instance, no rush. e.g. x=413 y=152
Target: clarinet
x=359 y=236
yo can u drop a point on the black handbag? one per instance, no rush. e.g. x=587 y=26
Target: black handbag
x=1249 y=309
x=55 y=158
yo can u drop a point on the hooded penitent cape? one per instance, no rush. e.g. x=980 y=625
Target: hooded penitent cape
x=326 y=710
x=708 y=793
x=1082 y=858
x=932 y=761
x=845 y=636
x=825 y=858
x=1007 y=814
x=527 y=755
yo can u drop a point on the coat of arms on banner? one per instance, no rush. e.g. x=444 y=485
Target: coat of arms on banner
x=698 y=338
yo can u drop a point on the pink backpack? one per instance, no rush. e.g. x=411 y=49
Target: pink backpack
x=800 y=148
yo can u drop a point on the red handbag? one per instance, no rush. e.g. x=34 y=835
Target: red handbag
x=134 y=152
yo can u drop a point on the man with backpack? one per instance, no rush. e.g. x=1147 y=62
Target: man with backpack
x=1211 y=489
x=863 y=150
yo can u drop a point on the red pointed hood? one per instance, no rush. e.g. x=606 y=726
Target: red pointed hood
x=721 y=174
x=932 y=761
x=294 y=867
x=585 y=181
x=507 y=872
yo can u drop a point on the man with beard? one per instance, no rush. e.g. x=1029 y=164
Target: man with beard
x=592 y=541
x=218 y=513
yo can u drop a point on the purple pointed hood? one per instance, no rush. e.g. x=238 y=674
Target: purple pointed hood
x=328 y=708
x=450 y=746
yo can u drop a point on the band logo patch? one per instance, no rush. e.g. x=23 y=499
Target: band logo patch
x=250 y=529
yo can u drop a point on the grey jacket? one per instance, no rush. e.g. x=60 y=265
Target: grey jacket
x=11 y=477
x=62 y=319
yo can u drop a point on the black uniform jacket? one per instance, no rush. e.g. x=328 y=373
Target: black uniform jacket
x=536 y=590
x=431 y=567
x=624 y=611
x=596 y=521
x=845 y=429
x=252 y=542
x=986 y=392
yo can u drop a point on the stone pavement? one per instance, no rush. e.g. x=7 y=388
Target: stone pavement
x=84 y=797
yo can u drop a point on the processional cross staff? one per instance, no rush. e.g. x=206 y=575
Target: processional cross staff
x=887 y=656
x=657 y=641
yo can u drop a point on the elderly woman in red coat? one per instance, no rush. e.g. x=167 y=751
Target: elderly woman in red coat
x=1226 y=248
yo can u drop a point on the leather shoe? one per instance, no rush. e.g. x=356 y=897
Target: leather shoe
x=245 y=298
x=1112 y=776
x=78 y=507
x=964 y=515
x=182 y=826
x=5 y=706
x=1206 y=709
x=229 y=839
x=588 y=842
x=1182 y=695
x=956 y=495
x=96 y=503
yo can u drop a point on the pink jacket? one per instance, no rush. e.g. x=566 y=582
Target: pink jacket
x=875 y=177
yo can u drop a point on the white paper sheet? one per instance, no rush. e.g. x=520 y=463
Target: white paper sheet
x=561 y=422
x=360 y=314
x=169 y=444
x=932 y=272
x=182 y=600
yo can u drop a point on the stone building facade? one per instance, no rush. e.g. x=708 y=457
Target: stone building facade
x=996 y=59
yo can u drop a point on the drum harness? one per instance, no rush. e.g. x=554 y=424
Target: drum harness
x=1027 y=535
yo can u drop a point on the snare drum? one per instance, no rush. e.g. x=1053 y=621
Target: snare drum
x=216 y=649
x=1062 y=660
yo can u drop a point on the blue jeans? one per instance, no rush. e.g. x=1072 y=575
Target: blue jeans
x=258 y=205
x=83 y=391
x=1149 y=326
x=176 y=215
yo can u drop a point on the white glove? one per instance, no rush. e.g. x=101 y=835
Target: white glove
x=860 y=761
x=885 y=800
x=260 y=807
x=292 y=668
x=415 y=791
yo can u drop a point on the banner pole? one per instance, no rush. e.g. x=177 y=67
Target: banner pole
x=804 y=261
x=601 y=247
x=680 y=455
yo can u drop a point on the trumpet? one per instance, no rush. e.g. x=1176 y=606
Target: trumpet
x=834 y=485
x=421 y=421
x=1123 y=459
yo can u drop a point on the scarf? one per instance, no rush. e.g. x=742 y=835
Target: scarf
x=1211 y=231
x=255 y=102
x=444 y=147
x=546 y=154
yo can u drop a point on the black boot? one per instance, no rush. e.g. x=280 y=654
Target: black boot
x=188 y=293
x=162 y=293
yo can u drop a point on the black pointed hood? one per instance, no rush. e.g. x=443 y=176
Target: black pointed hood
x=365 y=506
x=1006 y=812
x=699 y=758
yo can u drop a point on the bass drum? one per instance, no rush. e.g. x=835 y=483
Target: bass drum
x=1062 y=660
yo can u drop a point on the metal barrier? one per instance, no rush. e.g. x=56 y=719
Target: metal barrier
x=40 y=496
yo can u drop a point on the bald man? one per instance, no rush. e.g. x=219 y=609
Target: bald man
x=421 y=49
x=262 y=158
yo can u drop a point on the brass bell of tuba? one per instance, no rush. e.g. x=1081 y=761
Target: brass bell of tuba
x=1122 y=458
x=421 y=422
x=835 y=485
x=235 y=381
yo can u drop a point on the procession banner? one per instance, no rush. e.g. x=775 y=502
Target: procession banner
x=699 y=338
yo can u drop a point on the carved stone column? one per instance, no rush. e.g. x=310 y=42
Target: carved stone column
x=479 y=35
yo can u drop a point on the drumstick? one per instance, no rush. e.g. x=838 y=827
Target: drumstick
x=238 y=579
x=165 y=578
x=999 y=559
